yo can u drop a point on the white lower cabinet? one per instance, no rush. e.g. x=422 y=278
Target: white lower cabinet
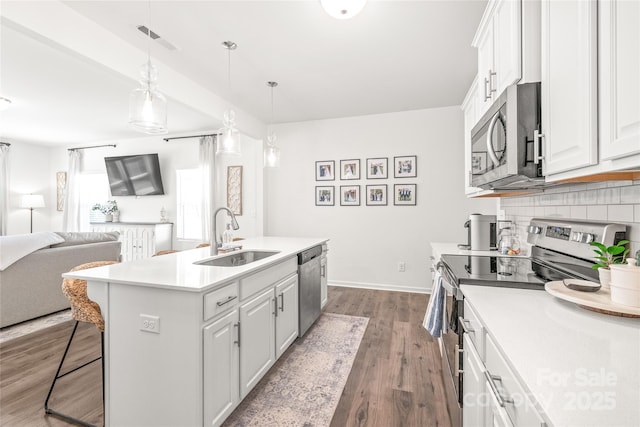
x=493 y=396
x=324 y=280
x=257 y=328
x=286 y=314
x=474 y=401
x=221 y=368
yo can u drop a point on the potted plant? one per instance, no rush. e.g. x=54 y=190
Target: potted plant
x=607 y=255
x=109 y=209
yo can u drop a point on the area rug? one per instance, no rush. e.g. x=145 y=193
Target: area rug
x=303 y=387
x=25 y=328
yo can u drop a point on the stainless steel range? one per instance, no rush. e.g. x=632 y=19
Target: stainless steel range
x=561 y=250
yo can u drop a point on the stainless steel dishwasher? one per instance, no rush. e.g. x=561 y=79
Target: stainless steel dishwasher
x=309 y=288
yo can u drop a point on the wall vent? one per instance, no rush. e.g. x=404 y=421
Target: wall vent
x=156 y=37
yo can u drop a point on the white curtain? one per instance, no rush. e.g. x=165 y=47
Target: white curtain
x=207 y=159
x=4 y=188
x=71 y=216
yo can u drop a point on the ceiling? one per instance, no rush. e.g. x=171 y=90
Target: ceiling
x=395 y=56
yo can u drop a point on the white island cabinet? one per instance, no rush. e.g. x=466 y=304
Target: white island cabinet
x=185 y=342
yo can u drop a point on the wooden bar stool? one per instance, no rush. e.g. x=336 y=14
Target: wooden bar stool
x=82 y=310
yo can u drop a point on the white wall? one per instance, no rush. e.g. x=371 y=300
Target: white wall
x=33 y=169
x=367 y=242
x=29 y=173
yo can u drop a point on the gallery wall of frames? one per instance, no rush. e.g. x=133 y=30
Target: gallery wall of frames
x=370 y=188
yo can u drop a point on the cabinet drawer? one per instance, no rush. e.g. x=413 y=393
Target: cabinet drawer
x=220 y=300
x=517 y=404
x=474 y=329
x=258 y=281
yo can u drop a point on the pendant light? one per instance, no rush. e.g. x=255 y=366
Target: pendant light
x=343 y=9
x=271 y=152
x=229 y=142
x=147 y=106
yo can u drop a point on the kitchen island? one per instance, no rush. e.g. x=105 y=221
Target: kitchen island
x=579 y=367
x=186 y=342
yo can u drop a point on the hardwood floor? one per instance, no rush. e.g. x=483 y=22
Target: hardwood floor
x=395 y=380
x=396 y=376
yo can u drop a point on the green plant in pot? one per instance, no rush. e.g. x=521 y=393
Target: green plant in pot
x=108 y=209
x=607 y=255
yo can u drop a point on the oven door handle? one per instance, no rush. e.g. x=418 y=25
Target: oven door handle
x=490 y=150
x=466 y=325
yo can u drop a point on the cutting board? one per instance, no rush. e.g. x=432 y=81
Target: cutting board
x=599 y=301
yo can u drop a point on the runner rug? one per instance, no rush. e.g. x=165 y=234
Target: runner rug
x=304 y=386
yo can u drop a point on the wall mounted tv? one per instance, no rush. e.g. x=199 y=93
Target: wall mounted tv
x=137 y=175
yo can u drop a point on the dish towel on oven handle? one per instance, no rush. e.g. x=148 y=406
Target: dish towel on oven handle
x=435 y=316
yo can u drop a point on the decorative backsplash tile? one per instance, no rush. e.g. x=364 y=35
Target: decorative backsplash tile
x=613 y=201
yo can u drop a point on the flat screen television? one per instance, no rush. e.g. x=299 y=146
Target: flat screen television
x=137 y=175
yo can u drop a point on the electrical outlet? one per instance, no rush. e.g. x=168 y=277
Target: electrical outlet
x=402 y=266
x=149 y=323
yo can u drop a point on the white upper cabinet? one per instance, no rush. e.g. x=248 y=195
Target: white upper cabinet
x=507 y=35
x=470 y=108
x=499 y=44
x=619 y=78
x=569 y=84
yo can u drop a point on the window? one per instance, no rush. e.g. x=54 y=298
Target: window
x=94 y=188
x=189 y=204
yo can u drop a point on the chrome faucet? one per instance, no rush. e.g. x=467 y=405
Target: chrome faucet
x=214 y=237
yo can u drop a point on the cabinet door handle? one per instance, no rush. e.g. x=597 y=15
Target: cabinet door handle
x=537 y=146
x=491 y=379
x=282 y=301
x=323 y=270
x=227 y=301
x=275 y=302
x=491 y=88
x=237 y=341
x=487 y=94
x=456 y=362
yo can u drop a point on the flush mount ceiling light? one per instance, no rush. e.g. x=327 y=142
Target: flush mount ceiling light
x=147 y=105
x=271 y=152
x=229 y=142
x=343 y=9
x=4 y=103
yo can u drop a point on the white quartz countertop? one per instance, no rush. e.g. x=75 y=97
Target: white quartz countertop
x=582 y=367
x=178 y=271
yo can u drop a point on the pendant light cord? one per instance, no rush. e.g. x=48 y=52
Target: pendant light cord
x=148 y=44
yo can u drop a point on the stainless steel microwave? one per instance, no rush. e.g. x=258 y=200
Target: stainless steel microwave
x=504 y=152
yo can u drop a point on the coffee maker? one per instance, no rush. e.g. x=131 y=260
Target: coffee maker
x=482 y=233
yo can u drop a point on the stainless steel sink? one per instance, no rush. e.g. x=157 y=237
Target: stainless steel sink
x=237 y=259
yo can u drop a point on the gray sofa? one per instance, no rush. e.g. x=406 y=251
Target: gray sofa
x=31 y=286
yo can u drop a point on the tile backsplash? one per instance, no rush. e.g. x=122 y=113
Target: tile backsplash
x=612 y=201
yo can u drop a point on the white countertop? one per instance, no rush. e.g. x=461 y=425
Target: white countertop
x=582 y=367
x=178 y=271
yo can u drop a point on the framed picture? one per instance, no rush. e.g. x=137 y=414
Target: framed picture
x=234 y=189
x=377 y=195
x=478 y=162
x=378 y=168
x=325 y=170
x=349 y=195
x=405 y=167
x=404 y=194
x=324 y=196
x=350 y=169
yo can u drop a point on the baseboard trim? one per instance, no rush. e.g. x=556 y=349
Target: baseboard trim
x=380 y=287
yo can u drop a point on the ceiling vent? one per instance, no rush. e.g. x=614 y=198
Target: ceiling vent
x=156 y=37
